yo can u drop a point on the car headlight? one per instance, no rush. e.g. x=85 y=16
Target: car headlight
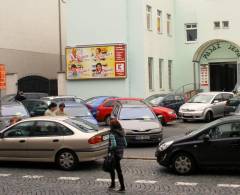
x=165 y=145
x=171 y=112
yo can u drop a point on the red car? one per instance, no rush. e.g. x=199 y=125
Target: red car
x=105 y=109
x=167 y=114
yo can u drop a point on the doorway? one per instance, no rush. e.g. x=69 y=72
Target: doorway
x=38 y=84
x=223 y=76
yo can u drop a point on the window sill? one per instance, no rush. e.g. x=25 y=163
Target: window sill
x=190 y=42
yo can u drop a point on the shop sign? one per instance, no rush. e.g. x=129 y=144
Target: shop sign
x=204 y=75
x=2 y=77
x=217 y=46
x=96 y=62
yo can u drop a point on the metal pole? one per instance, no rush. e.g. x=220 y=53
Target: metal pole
x=60 y=34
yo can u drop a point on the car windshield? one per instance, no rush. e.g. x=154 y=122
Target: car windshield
x=154 y=100
x=13 y=110
x=201 y=98
x=136 y=114
x=79 y=110
x=94 y=100
x=82 y=125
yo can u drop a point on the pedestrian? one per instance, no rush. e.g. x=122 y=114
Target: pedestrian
x=51 y=111
x=20 y=96
x=14 y=120
x=60 y=111
x=117 y=144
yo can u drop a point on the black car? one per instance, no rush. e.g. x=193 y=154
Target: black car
x=215 y=144
x=173 y=101
x=232 y=105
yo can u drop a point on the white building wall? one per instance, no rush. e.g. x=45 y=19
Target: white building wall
x=158 y=45
x=204 y=13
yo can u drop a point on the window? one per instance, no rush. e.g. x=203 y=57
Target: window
x=217 y=25
x=218 y=98
x=149 y=17
x=191 y=32
x=159 y=21
x=169 y=18
x=228 y=130
x=109 y=103
x=160 y=73
x=19 y=130
x=227 y=96
x=46 y=128
x=170 y=74
x=225 y=24
x=150 y=73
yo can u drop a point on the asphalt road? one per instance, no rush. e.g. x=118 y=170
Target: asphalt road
x=141 y=176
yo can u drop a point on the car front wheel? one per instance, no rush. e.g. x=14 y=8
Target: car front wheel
x=209 y=117
x=183 y=164
x=67 y=160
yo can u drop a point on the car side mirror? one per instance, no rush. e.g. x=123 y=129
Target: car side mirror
x=215 y=101
x=206 y=138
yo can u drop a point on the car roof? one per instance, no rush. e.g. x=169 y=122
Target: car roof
x=14 y=103
x=214 y=93
x=49 y=118
x=63 y=96
x=132 y=104
x=124 y=98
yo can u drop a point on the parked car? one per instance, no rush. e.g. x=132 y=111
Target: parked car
x=9 y=110
x=62 y=140
x=215 y=144
x=205 y=106
x=166 y=114
x=172 y=101
x=139 y=122
x=95 y=102
x=73 y=109
x=105 y=109
x=63 y=99
x=34 y=95
x=232 y=104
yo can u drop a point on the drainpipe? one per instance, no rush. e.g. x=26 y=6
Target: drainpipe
x=60 y=34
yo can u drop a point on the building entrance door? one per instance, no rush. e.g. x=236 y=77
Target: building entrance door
x=223 y=76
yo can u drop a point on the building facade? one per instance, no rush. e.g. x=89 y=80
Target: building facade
x=29 y=44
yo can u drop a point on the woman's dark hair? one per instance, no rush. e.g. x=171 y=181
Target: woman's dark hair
x=114 y=124
x=61 y=105
x=98 y=64
x=52 y=105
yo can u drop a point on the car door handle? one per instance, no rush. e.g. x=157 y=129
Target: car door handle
x=56 y=140
x=22 y=141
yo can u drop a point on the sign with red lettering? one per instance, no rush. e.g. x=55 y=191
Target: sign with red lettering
x=204 y=75
x=2 y=77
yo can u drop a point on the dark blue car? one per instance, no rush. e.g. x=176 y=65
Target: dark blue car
x=94 y=102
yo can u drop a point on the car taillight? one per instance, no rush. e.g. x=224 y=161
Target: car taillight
x=95 y=140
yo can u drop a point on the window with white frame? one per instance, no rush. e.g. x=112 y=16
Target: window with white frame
x=169 y=25
x=170 y=74
x=150 y=73
x=149 y=17
x=217 y=25
x=159 y=21
x=191 y=32
x=161 y=73
x=225 y=24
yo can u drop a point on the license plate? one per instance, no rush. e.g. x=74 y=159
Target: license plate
x=187 y=115
x=143 y=137
x=105 y=137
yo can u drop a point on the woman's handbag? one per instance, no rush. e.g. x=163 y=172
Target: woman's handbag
x=109 y=163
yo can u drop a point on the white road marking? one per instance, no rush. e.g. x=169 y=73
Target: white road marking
x=4 y=174
x=228 y=185
x=33 y=176
x=185 y=184
x=146 y=181
x=69 y=178
x=105 y=180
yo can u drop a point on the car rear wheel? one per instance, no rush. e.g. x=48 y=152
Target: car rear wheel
x=108 y=120
x=183 y=164
x=209 y=117
x=67 y=160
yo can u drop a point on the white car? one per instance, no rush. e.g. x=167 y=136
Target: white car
x=205 y=106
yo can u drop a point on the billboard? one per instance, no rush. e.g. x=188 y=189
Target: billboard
x=2 y=77
x=96 y=62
